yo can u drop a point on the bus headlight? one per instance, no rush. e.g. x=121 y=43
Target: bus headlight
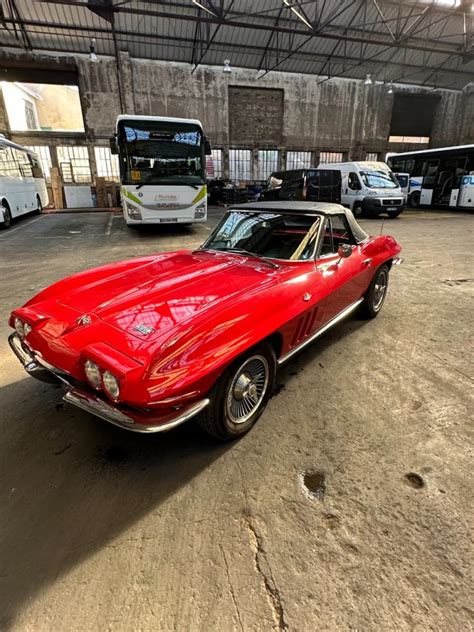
x=133 y=212
x=111 y=385
x=19 y=327
x=92 y=372
x=200 y=211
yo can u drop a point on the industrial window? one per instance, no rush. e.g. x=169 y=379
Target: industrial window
x=24 y=163
x=30 y=117
x=44 y=157
x=214 y=164
x=107 y=163
x=74 y=164
x=326 y=157
x=240 y=164
x=409 y=139
x=267 y=162
x=298 y=160
x=372 y=156
x=8 y=163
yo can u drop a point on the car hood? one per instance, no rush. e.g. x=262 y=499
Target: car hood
x=168 y=291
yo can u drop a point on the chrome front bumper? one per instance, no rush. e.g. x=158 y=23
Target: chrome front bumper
x=143 y=422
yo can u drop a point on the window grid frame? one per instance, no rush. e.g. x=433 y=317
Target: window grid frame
x=79 y=166
x=268 y=161
x=107 y=164
x=240 y=164
x=44 y=156
x=330 y=157
x=293 y=158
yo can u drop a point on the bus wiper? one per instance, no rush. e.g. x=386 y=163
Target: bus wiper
x=242 y=251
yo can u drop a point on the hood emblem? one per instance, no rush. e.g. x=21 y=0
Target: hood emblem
x=144 y=329
x=84 y=320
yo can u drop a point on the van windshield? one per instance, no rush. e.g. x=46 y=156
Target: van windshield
x=379 y=180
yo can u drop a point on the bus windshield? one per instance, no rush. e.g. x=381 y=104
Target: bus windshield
x=379 y=180
x=161 y=152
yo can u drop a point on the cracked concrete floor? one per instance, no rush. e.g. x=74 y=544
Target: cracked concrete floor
x=104 y=530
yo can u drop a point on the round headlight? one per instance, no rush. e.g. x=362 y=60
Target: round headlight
x=19 y=327
x=26 y=328
x=93 y=373
x=111 y=385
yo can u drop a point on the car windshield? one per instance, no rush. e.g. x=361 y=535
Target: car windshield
x=379 y=180
x=158 y=152
x=273 y=235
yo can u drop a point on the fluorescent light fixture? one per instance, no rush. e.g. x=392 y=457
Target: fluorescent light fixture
x=298 y=14
x=368 y=80
x=93 y=55
x=201 y=6
x=227 y=68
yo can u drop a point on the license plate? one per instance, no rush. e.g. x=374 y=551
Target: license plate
x=392 y=208
x=168 y=219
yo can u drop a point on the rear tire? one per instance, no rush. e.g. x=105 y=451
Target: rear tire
x=7 y=216
x=240 y=395
x=39 y=208
x=358 y=210
x=375 y=296
x=414 y=199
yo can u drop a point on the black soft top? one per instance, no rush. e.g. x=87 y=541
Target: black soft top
x=319 y=208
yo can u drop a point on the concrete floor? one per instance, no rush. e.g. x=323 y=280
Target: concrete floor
x=105 y=530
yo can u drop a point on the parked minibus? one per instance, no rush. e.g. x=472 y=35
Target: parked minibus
x=22 y=185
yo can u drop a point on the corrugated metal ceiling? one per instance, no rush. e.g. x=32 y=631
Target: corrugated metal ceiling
x=424 y=43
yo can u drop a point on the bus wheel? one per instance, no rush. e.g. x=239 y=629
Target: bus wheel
x=6 y=215
x=39 y=207
x=415 y=199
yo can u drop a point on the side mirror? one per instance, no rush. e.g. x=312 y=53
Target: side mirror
x=344 y=251
x=113 y=145
x=207 y=147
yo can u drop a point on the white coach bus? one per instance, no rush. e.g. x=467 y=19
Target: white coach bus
x=442 y=177
x=22 y=185
x=162 y=169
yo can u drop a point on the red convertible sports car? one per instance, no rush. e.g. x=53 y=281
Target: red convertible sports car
x=148 y=343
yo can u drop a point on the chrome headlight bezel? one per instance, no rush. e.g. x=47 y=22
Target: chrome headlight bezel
x=27 y=328
x=19 y=326
x=93 y=374
x=111 y=385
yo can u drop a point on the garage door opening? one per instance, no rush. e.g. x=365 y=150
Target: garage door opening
x=42 y=107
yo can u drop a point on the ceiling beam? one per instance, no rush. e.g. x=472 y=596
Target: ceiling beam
x=126 y=36
x=192 y=17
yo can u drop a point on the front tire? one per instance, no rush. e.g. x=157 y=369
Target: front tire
x=375 y=296
x=240 y=395
x=7 y=216
x=414 y=199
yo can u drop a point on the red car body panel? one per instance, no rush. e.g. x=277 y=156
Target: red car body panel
x=203 y=308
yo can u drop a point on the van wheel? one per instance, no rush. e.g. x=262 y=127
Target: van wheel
x=6 y=215
x=415 y=199
x=240 y=395
x=358 y=210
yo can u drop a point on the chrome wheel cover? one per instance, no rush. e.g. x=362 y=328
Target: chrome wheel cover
x=247 y=389
x=380 y=289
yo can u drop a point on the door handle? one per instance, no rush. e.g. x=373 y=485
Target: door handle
x=367 y=262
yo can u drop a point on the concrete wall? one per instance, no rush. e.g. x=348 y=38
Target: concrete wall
x=338 y=115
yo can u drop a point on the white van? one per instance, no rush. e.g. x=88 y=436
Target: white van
x=22 y=185
x=368 y=188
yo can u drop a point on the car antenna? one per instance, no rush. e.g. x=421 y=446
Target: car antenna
x=381 y=227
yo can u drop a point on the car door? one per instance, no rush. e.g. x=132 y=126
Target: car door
x=344 y=279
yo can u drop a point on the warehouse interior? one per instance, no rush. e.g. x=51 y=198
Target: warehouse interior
x=347 y=506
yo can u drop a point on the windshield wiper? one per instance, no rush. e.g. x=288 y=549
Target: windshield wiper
x=242 y=251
